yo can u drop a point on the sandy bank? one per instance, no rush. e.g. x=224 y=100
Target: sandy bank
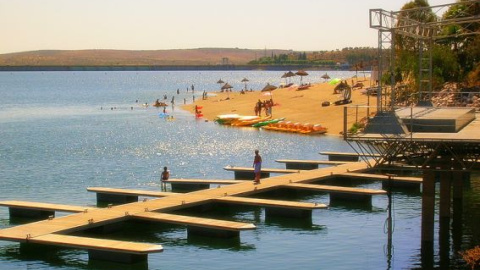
x=303 y=106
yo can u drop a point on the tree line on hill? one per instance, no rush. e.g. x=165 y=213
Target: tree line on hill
x=358 y=57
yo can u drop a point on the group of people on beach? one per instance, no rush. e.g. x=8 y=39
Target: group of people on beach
x=266 y=105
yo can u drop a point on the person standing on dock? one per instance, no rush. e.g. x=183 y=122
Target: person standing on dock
x=257 y=167
x=164 y=176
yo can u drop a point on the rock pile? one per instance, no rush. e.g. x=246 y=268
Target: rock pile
x=452 y=95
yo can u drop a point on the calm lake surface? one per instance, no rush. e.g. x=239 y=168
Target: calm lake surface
x=61 y=132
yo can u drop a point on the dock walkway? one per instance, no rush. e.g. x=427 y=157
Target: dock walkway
x=45 y=232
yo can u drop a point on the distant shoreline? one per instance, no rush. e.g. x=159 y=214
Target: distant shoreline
x=168 y=68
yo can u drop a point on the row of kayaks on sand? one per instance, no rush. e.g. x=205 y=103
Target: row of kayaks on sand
x=276 y=124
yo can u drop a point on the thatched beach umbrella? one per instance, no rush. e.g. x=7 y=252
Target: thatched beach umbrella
x=269 y=88
x=341 y=87
x=301 y=73
x=220 y=81
x=289 y=74
x=325 y=77
x=245 y=80
x=226 y=86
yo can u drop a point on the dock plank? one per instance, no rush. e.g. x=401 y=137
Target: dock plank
x=96 y=244
x=135 y=192
x=319 y=162
x=264 y=170
x=195 y=221
x=44 y=206
x=382 y=177
x=337 y=189
x=203 y=181
x=270 y=203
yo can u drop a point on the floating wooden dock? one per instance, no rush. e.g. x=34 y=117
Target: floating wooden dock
x=55 y=230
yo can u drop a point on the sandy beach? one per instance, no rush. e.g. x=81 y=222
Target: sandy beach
x=302 y=106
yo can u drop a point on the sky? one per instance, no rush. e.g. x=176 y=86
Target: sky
x=300 y=25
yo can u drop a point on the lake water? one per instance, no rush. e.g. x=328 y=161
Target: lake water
x=61 y=132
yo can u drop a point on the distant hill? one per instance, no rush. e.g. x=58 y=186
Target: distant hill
x=201 y=56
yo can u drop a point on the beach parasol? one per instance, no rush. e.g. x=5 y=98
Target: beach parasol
x=325 y=76
x=301 y=73
x=269 y=88
x=290 y=74
x=341 y=87
x=226 y=86
x=220 y=81
x=245 y=80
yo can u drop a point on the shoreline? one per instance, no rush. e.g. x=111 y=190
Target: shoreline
x=302 y=106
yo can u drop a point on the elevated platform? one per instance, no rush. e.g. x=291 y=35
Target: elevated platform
x=432 y=119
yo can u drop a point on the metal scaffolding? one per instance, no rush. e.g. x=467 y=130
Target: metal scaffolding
x=391 y=24
x=386 y=134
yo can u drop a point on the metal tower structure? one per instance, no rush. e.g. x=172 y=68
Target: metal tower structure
x=385 y=133
x=425 y=26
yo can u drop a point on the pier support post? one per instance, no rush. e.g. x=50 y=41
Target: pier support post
x=457 y=216
x=180 y=187
x=118 y=257
x=445 y=213
x=428 y=215
x=105 y=198
x=30 y=213
x=239 y=175
x=287 y=212
x=445 y=197
x=301 y=166
x=201 y=231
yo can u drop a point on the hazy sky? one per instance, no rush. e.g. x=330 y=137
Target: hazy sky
x=304 y=25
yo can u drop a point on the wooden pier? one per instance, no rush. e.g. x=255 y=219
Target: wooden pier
x=55 y=230
x=124 y=205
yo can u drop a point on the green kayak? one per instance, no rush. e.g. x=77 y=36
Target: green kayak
x=264 y=123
